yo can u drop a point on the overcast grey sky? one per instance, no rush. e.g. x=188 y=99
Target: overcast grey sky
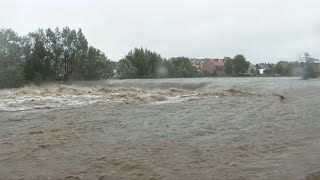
x=262 y=30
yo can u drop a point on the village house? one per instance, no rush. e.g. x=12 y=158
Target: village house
x=115 y=66
x=265 y=68
x=251 y=70
x=197 y=64
x=212 y=66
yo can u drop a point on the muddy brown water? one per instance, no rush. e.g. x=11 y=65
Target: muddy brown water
x=211 y=128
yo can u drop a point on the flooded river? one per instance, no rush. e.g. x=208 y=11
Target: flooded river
x=208 y=128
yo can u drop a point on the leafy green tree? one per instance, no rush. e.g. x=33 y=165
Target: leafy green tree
x=98 y=66
x=55 y=51
x=35 y=68
x=11 y=46
x=145 y=62
x=280 y=68
x=53 y=55
x=239 y=65
x=228 y=66
x=183 y=67
x=105 y=68
x=170 y=68
x=81 y=55
x=236 y=66
x=12 y=77
x=127 y=70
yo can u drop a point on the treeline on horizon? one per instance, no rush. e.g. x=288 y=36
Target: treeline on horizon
x=65 y=54
x=49 y=55
x=143 y=63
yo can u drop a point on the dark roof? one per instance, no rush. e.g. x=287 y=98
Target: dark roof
x=197 y=61
x=115 y=65
x=265 y=66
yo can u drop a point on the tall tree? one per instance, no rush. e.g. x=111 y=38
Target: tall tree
x=282 y=68
x=183 y=67
x=228 y=66
x=127 y=70
x=81 y=55
x=170 y=69
x=309 y=71
x=52 y=55
x=11 y=46
x=240 y=65
x=34 y=69
x=145 y=62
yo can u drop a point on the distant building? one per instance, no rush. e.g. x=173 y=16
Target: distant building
x=197 y=64
x=251 y=70
x=214 y=66
x=252 y=67
x=265 y=68
x=115 y=66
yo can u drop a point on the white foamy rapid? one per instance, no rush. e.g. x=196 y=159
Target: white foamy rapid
x=159 y=91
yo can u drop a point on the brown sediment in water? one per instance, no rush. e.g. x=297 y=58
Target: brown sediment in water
x=54 y=96
x=313 y=176
x=231 y=130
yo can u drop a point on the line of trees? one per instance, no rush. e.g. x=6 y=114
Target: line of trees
x=143 y=63
x=49 y=55
x=63 y=54
x=307 y=63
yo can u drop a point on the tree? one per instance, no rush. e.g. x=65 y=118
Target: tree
x=53 y=55
x=81 y=55
x=105 y=67
x=11 y=46
x=236 y=66
x=308 y=59
x=12 y=77
x=144 y=61
x=127 y=70
x=309 y=70
x=228 y=66
x=281 y=68
x=183 y=67
x=55 y=52
x=170 y=69
x=240 y=65
x=36 y=64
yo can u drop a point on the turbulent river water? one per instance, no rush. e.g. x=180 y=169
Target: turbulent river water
x=208 y=128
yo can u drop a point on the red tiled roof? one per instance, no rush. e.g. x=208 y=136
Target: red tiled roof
x=217 y=62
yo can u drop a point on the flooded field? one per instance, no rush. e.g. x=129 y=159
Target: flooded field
x=210 y=128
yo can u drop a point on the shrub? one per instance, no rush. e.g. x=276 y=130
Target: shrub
x=12 y=77
x=312 y=73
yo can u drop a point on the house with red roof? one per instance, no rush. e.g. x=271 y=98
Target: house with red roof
x=214 y=66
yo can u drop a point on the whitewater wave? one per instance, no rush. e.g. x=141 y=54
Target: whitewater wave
x=55 y=96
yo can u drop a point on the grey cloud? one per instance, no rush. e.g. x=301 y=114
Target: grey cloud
x=262 y=30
